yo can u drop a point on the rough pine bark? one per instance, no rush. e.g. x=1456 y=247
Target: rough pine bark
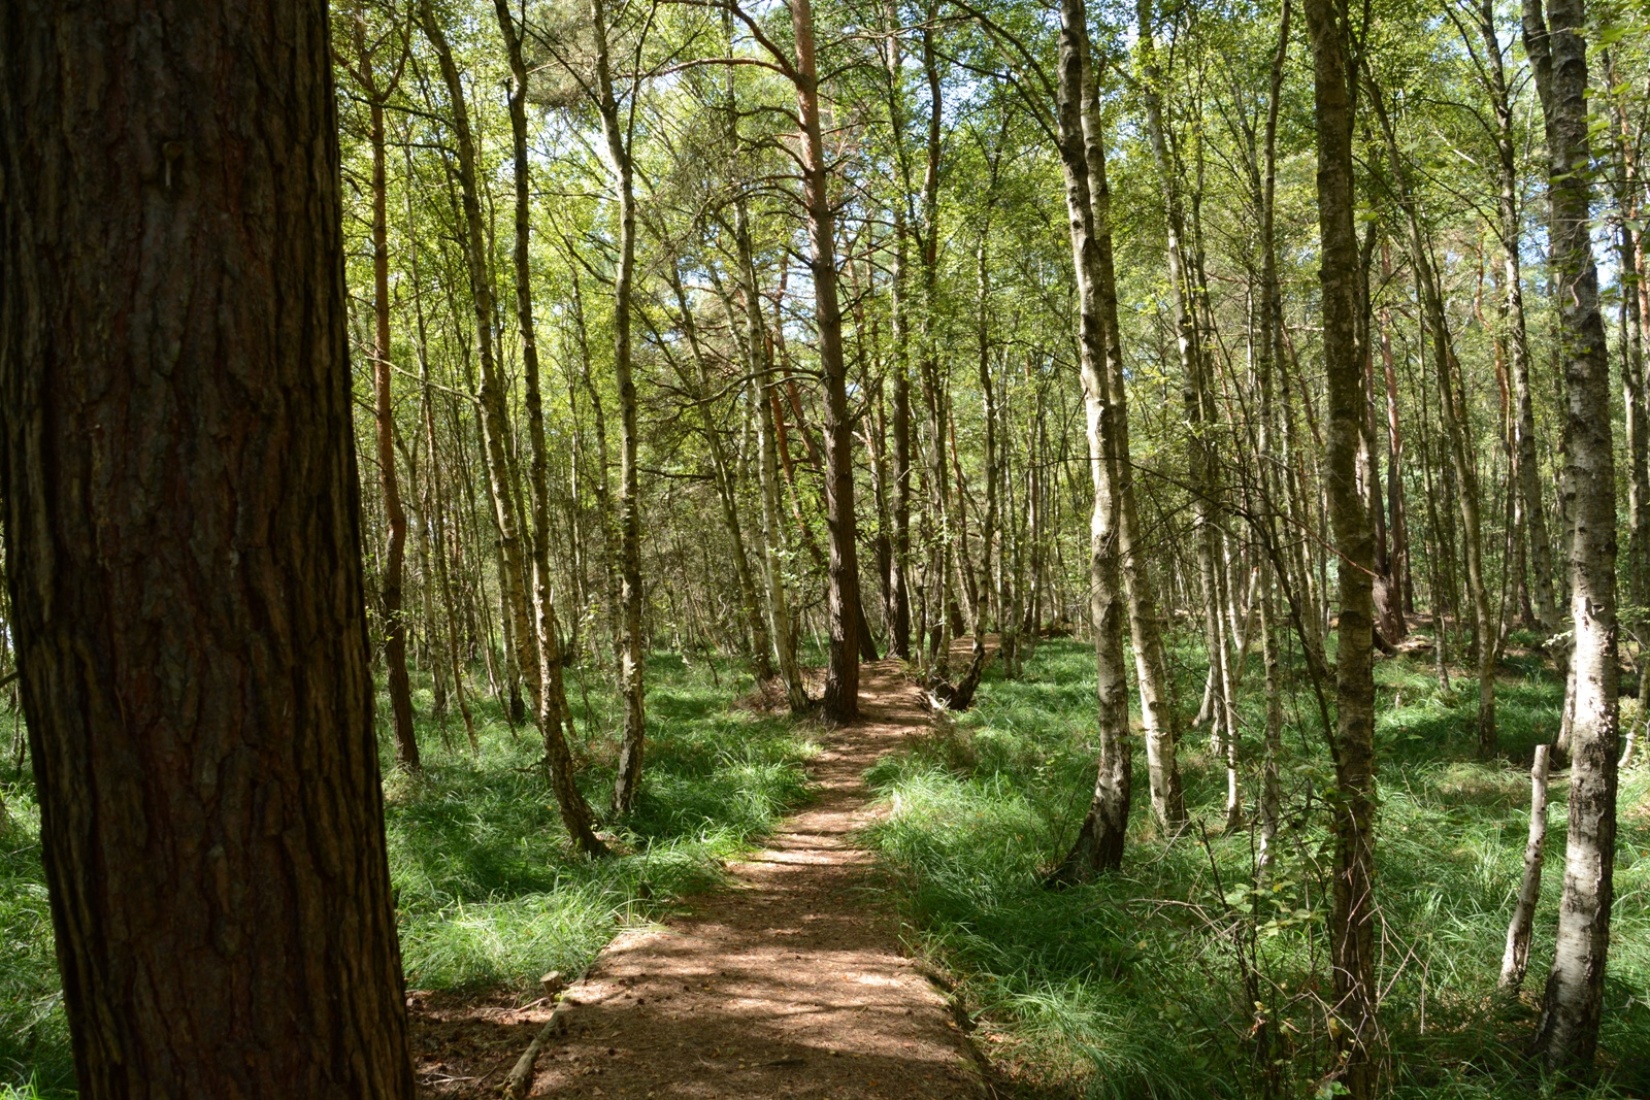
x=1574 y=999
x=184 y=547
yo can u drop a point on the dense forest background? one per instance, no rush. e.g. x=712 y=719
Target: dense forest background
x=702 y=350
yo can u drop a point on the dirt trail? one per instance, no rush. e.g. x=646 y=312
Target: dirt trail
x=787 y=983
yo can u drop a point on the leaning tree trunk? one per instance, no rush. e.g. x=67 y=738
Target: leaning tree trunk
x=1575 y=987
x=1351 y=920
x=184 y=548
x=1515 y=959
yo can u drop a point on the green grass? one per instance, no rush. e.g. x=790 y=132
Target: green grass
x=1132 y=987
x=35 y=1060
x=487 y=888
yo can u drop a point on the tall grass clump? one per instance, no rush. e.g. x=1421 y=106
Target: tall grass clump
x=1190 y=974
x=489 y=891
x=35 y=1058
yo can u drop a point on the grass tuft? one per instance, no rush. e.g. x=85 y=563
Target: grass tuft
x=1185 y=976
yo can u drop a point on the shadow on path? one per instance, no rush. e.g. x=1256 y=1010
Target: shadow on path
x=788 y=982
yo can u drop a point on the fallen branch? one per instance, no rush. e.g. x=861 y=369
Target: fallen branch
x=521 y=1077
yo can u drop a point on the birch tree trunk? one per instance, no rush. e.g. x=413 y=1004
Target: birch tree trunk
x=1099 y=844
x=1574 y=998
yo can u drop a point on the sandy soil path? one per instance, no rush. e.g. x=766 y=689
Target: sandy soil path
x=788 y=983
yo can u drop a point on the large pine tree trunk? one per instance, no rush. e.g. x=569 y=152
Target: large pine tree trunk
x=1575 y=987
x=1351 y=920
x=184 y=552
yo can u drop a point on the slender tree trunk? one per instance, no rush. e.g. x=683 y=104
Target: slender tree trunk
x=1515 y=960
x=841 y=702
x=1159 y=711
x=1452 y=408
x=1509 y=223
x=385 y=416
x=1575 y=987
x=1351 y=920
x=1628 y=190
x=990 y=601
x=553 y=714
x=780 y=617
x=1269 y=355
x=395 y=515
x=436 y=514
x=1099 y=844
x=183 y=552
x=494 y=419
x=633 y=645
x=599 y=484
x=1196 y=400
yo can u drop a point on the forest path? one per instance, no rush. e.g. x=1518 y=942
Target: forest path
x=788 y=982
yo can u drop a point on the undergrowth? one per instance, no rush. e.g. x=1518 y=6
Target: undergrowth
x=1187 y=976
x=488 y=890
